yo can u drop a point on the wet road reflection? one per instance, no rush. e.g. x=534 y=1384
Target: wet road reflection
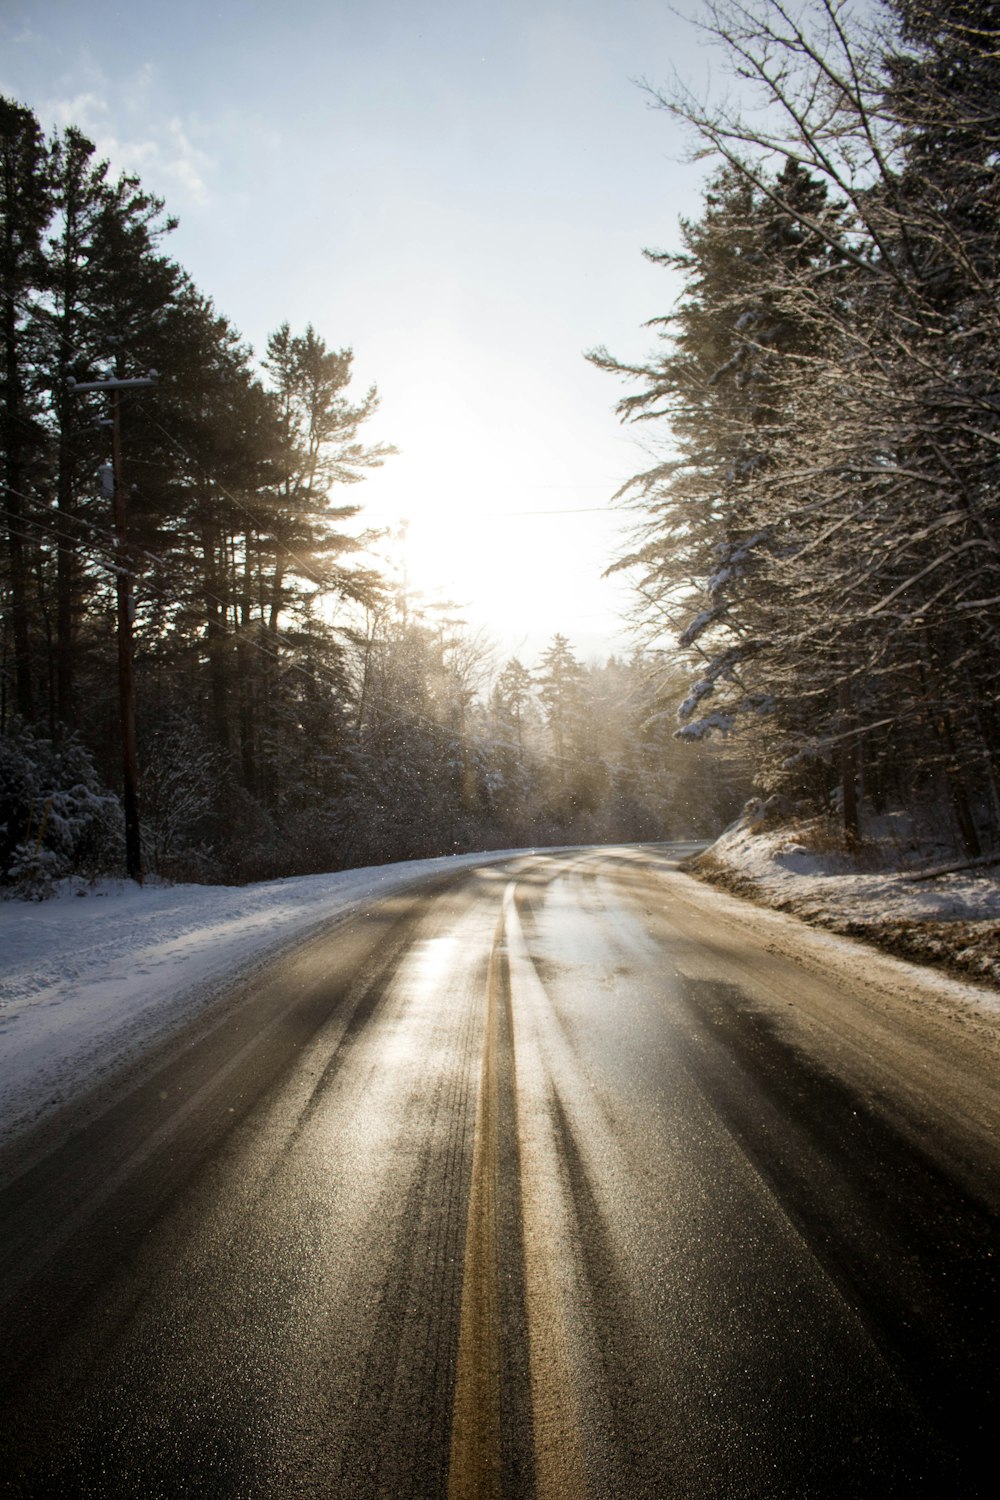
x=547 y=1179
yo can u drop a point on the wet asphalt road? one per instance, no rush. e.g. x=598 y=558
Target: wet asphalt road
x=545 y=1179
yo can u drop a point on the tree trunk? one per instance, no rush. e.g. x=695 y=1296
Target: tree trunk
x=849 y=766
x=216 y=629
x=14 y=508
x=66 y=576
x=958 y=794
x=248 y=760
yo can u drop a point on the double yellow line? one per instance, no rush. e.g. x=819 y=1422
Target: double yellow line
x=475 y=1468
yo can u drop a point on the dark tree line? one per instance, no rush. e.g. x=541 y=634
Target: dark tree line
x=822 y=535
x=293 y=713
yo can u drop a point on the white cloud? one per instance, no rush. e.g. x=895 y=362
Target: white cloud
x=86 y=110
x=139 y=88
x=186 y=162
x=161 y=150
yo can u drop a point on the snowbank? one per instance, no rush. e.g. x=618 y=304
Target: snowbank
x=94 y=976
x=951 y=918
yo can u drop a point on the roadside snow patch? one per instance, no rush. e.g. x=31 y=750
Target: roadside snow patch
x=951 y=920
x=92 y=977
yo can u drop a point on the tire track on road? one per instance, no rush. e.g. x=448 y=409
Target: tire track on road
x=476 y=1469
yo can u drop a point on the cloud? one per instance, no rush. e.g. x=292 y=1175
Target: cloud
x=134 y=137
x=87 y=110
x=139 y=88
x=186 y=162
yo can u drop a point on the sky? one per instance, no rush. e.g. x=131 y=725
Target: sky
x=460 y=191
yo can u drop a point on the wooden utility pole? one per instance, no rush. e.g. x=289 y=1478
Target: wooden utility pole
x=126 y=611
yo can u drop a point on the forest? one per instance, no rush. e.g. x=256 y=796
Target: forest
x=820 y=533
x=816 y=546
x=180 y=511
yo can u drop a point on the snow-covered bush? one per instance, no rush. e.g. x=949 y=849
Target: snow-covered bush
x=56 y=818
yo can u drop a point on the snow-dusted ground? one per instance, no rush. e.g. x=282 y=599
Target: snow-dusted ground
x=951 y=918
x=90 y=980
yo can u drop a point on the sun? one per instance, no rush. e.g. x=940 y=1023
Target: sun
x=486 y=511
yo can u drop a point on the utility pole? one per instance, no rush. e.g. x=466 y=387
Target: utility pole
x=126 y=610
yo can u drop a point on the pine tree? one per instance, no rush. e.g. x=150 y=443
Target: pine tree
x=319 y=449
x=25 y=209
x=853 y=599
x=80 y=190
x=728 y=380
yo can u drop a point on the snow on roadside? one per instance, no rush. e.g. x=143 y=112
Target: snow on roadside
x=951 y=920
x=89 y=982
x=94 y=976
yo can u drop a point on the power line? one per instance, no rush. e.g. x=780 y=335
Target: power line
x=264 y=530
x=51 y=524
x=575 y=510
x=52 y=520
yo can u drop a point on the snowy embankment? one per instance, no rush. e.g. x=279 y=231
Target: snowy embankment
x=93 y=977
x=934 y=914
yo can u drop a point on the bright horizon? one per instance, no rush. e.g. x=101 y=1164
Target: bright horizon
x=460 y=195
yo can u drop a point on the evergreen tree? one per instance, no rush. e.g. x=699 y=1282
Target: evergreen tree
x=319 y=448
x=25 y=209
x=80 y=192
x=735 y=355
x=852 y=601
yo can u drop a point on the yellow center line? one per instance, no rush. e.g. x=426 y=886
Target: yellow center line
x=474 y=1467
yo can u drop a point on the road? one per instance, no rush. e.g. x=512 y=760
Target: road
x=558 y=1177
